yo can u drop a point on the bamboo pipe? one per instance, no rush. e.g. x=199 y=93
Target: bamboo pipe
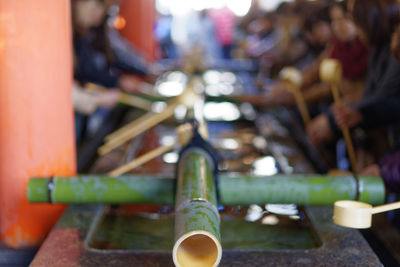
x=187 y=98
x=292 y=77
x=356 y=214
x=197 y=235
x=331 y=73
x=234 y=189
x=184 y=135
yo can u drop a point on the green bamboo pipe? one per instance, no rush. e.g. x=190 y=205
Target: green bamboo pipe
x=235 y=189
x=197 y=235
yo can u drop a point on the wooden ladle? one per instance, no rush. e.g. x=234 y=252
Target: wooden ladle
x=331 y=73
x=147 y=121
x=293 y=79
x=184 y=132
x=356 y=214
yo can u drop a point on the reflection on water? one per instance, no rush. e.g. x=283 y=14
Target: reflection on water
x=242 y=228
x=222 y=111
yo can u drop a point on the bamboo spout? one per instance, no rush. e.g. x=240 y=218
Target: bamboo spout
x=197 y=248
x=197 y=235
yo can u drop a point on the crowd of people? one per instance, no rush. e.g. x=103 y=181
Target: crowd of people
x=362 y=35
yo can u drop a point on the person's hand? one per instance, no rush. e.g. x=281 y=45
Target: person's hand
x=279 y=94
x=372 y=170
x=346 y=116
x=108 y=99
x=319 y=130
x=129 y=83
x=156 y=69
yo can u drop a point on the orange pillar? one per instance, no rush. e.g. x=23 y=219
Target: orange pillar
x=36 y=119
x=140 y=16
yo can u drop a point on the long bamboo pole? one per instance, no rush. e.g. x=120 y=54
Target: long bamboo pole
x=197 y=235
x=235 y=189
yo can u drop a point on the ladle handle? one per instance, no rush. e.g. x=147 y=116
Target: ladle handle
x=150 y=121
x=141 y=160
x=386 y=207
x=346 y=133
x=135 y=101
x=301 y=104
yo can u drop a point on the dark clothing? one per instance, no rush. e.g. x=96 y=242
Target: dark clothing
x=382 y=113
x=383 y=84
x=380 y=105
x=390 y=171
x=92 y=65
x=353 y=57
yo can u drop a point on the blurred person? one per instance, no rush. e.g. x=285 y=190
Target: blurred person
x=262 y=35
x=163 y=34
x=224 y=22
x=293 y=48
x=316 y=28
x=101 y=57
x=208 y=37
x=379 y=107
x=352 y=54
x=389 y=166
x=377 y=21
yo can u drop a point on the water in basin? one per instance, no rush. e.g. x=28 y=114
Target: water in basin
x=151 y=228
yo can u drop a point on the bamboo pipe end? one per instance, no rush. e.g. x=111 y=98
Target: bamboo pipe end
x=330 y=71
x=197 y=249
x=352 y=214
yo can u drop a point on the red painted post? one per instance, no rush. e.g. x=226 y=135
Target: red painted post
x=36 y=119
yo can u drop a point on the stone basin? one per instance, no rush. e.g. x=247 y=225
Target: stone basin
x=98 y=235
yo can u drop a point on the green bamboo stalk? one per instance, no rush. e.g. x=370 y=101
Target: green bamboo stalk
x=197 y=235
x=234 y=189
x=92 y=189
x=299 y=189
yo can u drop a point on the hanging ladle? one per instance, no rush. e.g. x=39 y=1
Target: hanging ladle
x=356 y=214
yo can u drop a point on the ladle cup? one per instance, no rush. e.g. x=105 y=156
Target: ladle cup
x=356 y=214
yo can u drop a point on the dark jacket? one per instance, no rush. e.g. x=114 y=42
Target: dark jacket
x=380 y=104
x=92 y=65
